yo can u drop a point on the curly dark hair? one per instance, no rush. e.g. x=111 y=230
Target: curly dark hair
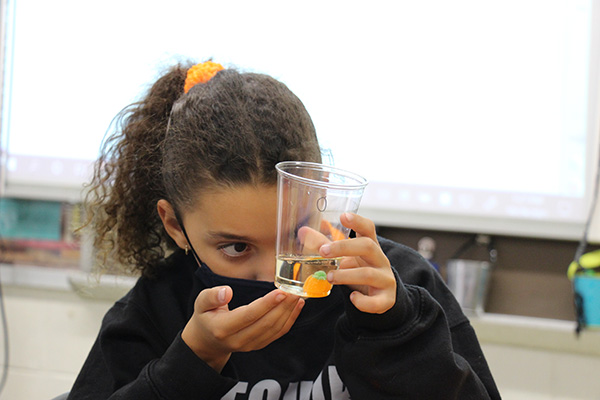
x=229 y=131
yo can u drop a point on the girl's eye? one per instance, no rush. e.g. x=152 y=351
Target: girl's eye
x=234 y=249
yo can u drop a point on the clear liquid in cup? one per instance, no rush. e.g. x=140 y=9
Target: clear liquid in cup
x=305 y=276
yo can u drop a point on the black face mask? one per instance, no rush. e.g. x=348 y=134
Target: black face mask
x=245 y=291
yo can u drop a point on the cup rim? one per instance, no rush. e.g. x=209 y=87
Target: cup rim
x=360 y=182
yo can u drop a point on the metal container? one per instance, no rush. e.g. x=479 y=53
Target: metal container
x=469 y=280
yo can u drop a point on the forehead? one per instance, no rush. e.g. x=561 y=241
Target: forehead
x=247 y=211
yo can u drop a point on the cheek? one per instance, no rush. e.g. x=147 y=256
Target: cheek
x=265 y=267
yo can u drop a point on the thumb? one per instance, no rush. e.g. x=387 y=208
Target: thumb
x=213 y=298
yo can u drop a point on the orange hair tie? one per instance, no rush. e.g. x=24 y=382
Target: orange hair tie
x=201 y=73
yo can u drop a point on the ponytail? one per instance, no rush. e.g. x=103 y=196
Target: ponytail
x=127 y=182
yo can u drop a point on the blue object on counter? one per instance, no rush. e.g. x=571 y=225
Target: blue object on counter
x=588 y=288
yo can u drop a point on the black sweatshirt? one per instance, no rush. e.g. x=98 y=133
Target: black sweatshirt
x=422 y=348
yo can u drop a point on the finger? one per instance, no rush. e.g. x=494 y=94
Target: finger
x=281 y=329
x=311 y=239
x=293 y=316
x=270 y=327
x=213 y=298
x=279 y=317
x=377 y=304
x=359 y=224
x=247 y=315
x=363 y=276
x=363 y=247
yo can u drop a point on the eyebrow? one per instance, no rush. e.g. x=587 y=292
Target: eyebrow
x=228 y=236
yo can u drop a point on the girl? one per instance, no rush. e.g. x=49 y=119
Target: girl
x=185 y=193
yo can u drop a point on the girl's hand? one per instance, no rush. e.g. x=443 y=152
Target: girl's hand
x=364 y=268
x=214 y=332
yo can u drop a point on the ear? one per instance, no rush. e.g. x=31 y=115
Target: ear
x=169 y=220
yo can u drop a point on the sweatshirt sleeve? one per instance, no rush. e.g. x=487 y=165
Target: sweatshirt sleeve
x=409 y=352
x=178 y=374
x=132 y=360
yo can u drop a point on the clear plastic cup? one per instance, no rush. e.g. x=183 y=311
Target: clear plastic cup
x=311 y=199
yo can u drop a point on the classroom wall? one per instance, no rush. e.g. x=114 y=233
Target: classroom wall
x=50 y=333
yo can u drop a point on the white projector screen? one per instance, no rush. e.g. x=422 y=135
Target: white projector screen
x=467 y=115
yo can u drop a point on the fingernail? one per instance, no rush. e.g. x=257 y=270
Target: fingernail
x=349 y=216
x=221 y=295
x=330 y=277
x=280 y=297
x=326 y=249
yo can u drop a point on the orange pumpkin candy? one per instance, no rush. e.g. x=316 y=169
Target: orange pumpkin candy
x=316 y=285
